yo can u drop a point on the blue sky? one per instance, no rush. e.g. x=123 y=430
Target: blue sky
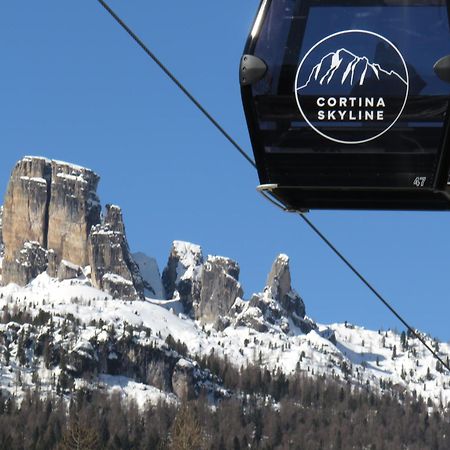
x=75 y=87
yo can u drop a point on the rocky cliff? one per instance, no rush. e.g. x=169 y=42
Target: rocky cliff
x=278 y=287
x=1 y=227
x=219 y=289
x=72 y=210
x=28 y=263
x=112 y=266
x=182 y=276
x=206 y=289
x=25 y=210
x=52 y=205
x=51 y=221
x=210 y=292
x=278 y=306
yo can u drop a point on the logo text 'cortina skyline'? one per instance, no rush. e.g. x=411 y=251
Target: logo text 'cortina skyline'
x=349 y=87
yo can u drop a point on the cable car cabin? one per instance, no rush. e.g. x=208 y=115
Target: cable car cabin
x=347 y=103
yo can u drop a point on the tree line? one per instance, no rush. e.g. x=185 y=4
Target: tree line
x=308 y=413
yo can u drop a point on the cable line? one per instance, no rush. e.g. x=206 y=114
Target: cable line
x=374 y=291
x=252 y=163
x=177 y=82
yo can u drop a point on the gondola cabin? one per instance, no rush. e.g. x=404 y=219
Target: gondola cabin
x=347 y=103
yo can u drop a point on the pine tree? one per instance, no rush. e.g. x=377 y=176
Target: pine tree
x=394 y=352
x=338 y=442
x=186 y=432
x=20 y=349
x=80 y=435
x=403 y=341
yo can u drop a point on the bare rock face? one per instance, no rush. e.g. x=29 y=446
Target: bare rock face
x=25 y=213
x=207 y=289
x=28 y=263
x=49 y=211
x=52 y=203
x=51 y=221
x=112 y=266
x=158 y=373
x=182 y=276
x=219 y=288
x=81 y=359
x=1 y=228
x=278 y=286
x=74 y=208
x=52 y=266
x=279 y=306
x=67 y=270
x=183 y=380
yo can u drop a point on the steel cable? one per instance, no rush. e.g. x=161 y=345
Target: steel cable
x=252 y=163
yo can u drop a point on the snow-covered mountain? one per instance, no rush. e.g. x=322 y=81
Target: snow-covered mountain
x=47 y=309
x=108 y=320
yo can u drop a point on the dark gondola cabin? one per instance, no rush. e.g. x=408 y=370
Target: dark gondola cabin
x=347 y=103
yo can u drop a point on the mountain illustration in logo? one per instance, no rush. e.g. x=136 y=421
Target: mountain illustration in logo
x=345 y=69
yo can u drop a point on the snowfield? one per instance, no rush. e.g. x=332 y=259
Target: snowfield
x=376 y=359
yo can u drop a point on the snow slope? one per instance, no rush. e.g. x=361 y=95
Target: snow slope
x=363 y=357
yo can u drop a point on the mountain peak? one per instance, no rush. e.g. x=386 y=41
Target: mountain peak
x=54 y=205
x=279 y=279
x=181 y=274
x=64 y=324
x=278 y=307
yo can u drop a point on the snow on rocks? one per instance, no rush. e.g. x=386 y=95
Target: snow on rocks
x=382 y=360
x=141 y=393
x=181 y=277
x=149 y=269
x=277 y=308
x=68 y=270
x=112 y=265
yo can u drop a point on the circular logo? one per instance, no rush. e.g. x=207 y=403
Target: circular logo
x=352 y=86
